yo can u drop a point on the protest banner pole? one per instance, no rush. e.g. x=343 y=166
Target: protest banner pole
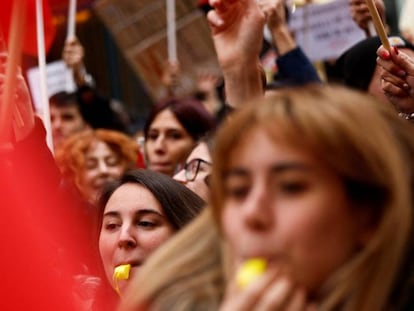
x=8 y=109
x=378 y=24
x=70 y=35
x=171 y=32
x=41 y=52
x=71 y=20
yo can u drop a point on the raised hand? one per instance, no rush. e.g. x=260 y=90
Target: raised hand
x=397 y=78
x=237 y=27
x=275 y=12
x=237 y=32
x=73 y=54
x=22 y=109
x=270 y=292
x=360 y=13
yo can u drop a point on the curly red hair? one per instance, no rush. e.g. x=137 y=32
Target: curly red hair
x=70 y=156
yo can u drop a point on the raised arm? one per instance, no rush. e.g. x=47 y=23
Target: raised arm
x=275 y=12
x=237 y=31
x=73 y=55
x=360 y=14
x=292 y=63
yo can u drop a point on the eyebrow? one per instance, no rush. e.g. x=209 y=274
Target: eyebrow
x=276 y=169
x=166 y=129
x=140 y=212
x=199 y=159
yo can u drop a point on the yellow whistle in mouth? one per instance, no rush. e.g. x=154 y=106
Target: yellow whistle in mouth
x=249 y=271
x=121 y=272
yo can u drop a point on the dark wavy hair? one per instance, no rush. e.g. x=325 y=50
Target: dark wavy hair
x=191 y=114
x=179 y=204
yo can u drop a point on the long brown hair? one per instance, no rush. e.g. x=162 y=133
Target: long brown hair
x=370 y=148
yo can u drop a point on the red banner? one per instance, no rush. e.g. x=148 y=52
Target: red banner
x=30 y=37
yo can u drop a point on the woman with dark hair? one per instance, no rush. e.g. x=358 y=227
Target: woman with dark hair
x=137 y=213
x=171 y=131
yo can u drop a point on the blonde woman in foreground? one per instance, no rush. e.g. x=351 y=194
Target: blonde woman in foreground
x=302 y=181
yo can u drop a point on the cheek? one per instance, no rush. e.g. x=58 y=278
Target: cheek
x=106 y=248
x=71 y=126
x=148 y=148
x=199 y=187
x=87 y=177
x=181 y=149
x=151 y=241
x=317 y=242
x=117 y=171
x=106 y=243
x=231 y=225
x=84 y=179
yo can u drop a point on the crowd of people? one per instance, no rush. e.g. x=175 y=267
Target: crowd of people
x=313 y=178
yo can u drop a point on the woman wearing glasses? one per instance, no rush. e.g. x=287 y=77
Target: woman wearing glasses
x=197 y=168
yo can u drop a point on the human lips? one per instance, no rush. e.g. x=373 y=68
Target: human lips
x=161 y=166
x=98 y=183
x=133 y=263
x=270 y=259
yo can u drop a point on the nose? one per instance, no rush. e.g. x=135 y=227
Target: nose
x=103 y=167
x=55 y=123
x=159 y=144
x=126 y=239
x=257 y=211
x=180 y=177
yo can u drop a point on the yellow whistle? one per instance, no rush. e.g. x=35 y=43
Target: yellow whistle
x=249 y=271
x=121 y=272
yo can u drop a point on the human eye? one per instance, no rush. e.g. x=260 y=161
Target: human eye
x=292 y=186
x=111 y=225
x=146 y=224
x=237 y=189
x=91 y=164
x=112 y=161
x=238 y=193
x=175 y=135
x=204 y=167
x=152 y=135
x=68 y=117
x=191 y=166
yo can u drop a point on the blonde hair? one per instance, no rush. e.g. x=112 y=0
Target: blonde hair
x=70 y=156
x=363 y=141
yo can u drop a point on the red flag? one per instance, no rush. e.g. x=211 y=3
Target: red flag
x=30 y=37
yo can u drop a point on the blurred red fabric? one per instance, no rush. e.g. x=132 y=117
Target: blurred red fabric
x=30 y=36
x=42 y=232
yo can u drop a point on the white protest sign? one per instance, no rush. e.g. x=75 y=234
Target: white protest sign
x=57 y=80
x=325 y=31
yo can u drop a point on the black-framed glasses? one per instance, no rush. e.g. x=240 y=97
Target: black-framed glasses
x=192 y=168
